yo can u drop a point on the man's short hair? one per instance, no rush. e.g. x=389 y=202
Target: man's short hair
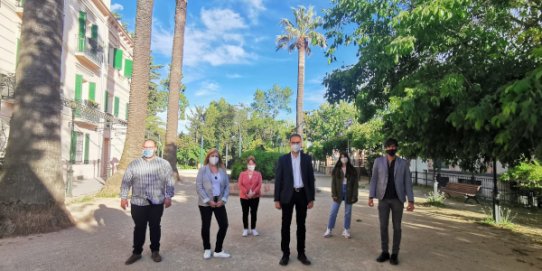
x=295 y=135
x=391 y=142
x=151 y=140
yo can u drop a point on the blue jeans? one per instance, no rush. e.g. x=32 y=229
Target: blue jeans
x=335 y=209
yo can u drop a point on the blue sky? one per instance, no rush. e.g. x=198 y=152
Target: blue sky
x=230 y=49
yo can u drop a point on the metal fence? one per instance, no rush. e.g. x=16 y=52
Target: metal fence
x=507 y=193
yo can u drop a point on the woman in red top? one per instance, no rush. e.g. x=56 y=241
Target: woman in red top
x=250 y=183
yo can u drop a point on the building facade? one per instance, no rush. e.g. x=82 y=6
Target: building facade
x=95 y=78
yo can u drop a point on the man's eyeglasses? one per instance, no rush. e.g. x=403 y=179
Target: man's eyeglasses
x=298 y=142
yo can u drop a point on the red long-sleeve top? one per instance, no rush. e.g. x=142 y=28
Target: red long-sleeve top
x=245 y=184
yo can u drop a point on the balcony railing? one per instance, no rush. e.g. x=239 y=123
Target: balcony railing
x=92 y=49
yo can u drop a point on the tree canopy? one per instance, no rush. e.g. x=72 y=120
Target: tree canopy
x=457 y=80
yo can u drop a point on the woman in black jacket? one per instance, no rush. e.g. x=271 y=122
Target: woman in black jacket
x=344 y=187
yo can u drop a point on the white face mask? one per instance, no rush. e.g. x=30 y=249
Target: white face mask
x=251 y=167
x=295 y=147
x=213 y=160
x=344 y=160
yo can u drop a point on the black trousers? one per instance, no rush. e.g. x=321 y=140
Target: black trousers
x=143 y=215
x=299 y=201
x=251 y=204
x=395 y=206
x=221 y=217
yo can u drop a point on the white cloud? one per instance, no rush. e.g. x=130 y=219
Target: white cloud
x=315 y=96
x=254 y=8
x=207 y=88
x=221 y=20
x=234 y=75
x=220 y=40
x=116 y=7
x=162 y=38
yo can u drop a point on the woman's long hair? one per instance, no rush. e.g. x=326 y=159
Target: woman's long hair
x=350 y=170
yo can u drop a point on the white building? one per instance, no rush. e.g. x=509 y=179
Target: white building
x=95 y=79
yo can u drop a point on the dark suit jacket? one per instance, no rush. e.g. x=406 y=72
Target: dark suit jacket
x=284 y=178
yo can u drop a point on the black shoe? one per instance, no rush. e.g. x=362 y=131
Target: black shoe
x=156 y=256
x=133 y=259
x=394 y=260
x=384 y=256
x=284 y=260
x=303 y=259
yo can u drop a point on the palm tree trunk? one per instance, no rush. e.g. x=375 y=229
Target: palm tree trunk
x=175 y=86
x=300 y=88
x=139 y=88
x=32 y=187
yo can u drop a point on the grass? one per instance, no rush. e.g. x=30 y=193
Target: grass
x=506 y=214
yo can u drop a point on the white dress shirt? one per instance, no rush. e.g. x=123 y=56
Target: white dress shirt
x=296 y=167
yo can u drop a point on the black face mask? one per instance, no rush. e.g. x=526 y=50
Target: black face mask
x=391 y=152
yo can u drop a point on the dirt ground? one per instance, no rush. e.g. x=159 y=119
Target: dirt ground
x=433 y=239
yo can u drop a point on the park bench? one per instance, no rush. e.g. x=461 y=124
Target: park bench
x=462 y=189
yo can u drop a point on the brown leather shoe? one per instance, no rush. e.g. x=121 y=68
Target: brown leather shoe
x=156 y=256
x=133 y=259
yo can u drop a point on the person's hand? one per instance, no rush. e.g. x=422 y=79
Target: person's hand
x=371 y=203
x=167 y=202
x=310 y=205
x=410 y=206
x=277 y=205
x=123 y=203
x=220 y=203
x=212 y=204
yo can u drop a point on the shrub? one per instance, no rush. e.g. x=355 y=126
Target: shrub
x=435 y=199
x=266 y=163
x=527 y=175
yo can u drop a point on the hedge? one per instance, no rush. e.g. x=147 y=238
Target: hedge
x=266 y=163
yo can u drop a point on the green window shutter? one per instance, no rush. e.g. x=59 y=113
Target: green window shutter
x=92 y=91
x=128 y=67
x=117 y=62
x=73 y=146
x=117 y=104
x=87 y=148
x=17 y=52
x=94 y=31
x=82 y=31
x=78 y=87
x=106 y=102
x=126 y=117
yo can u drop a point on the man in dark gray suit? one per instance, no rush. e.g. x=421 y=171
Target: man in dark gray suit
x=391 y=184
x=294 y=187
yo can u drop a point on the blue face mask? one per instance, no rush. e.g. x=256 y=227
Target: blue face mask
x=148 y=153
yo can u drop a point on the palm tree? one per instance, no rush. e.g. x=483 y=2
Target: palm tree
x=139 y=90
x=298 y=38
x=32 y=187
x=175 y=86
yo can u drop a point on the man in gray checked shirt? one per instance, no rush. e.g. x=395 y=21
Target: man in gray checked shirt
x=152 y=182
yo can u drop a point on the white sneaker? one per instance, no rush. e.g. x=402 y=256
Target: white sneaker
x=255 y=232
x=207 y=254
x=245 y=232
x=327 y=233
x=346 y=234
x=221 y=254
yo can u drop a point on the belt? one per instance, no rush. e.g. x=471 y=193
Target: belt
x=298 y=189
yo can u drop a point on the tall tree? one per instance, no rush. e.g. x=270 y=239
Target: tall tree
x=32 y=187
x=269 y=103
x=175 y=86
x=139 y=91
x=298 y=37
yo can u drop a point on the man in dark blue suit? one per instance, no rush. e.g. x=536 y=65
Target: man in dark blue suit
x=294 y=187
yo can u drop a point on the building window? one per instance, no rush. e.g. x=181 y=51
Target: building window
x=76 y=149
x=117 y=105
